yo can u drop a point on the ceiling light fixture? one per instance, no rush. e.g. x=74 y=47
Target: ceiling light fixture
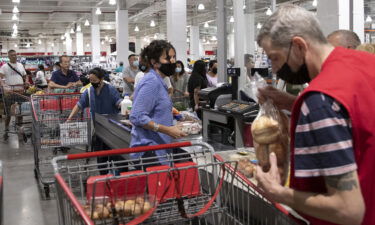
x=64 y=42
x=71 y=30
x=259 y=25
x=87 y=45
x=231 y=19
x=155 y=36
x=145 y=39
x=15 y=27
x=136 y=29
x=187 y=40
x=39 y=41
x=102 y=42
x=368 y=19
x=53 y=44
x=213 y=38
x=15 y=45
x=79 y=29
x=14 y=17
x=201 y=6
x=110 y=40
x=244 y=6
x=315 y=3
x=106 y=38
x=98 y=11
x=15 y=9
x=62 y=37
x=16 y=1
x=269 y=12
x=87 y=23
x=206 y=25
x=112 y=2
x=28 y=45
x=152 y=23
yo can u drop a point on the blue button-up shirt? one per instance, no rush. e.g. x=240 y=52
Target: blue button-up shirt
x=61 y=79
x=151 y=103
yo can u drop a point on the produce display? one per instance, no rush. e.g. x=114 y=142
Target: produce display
x=270 y=133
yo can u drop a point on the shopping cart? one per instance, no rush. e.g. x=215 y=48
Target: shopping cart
x=192 y=187
x=17 y=104
x=53 y=135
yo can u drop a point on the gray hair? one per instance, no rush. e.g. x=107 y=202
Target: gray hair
x=346 y=38
x=290 y=21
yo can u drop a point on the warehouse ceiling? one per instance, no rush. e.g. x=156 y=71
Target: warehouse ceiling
x=50 y=18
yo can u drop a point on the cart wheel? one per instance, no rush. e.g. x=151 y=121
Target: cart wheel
x=46 y=191
x=36 y=174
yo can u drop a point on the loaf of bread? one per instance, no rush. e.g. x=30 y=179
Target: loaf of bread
x=265 y=130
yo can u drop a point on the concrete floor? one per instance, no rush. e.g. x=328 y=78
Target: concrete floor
x=23 y=203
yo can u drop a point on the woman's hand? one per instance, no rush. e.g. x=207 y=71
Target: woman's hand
x=175 y=132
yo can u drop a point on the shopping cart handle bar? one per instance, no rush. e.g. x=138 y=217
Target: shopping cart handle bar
x=55 y=94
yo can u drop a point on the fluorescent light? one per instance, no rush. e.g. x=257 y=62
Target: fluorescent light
x=368 y=19
x=259 y=25
x=269 y=12
x=206 y=25
x=15 y=27
x=213 y=38
x=62 y=37
x=315 y=3
x=87 y=45
x=106 y=38
x=244 y=6
x=15 y=45
x=79 y=28
x=16 y=1
x=87 y=23
x=71 y=30
x=152 y=23
x=112 y=2
x=39 y=41
x=187 y=40
x=231 y=19
x=28 y=45
x=14 y=35
x=136 y=29
x=102 y=42
x=15 y=9
x=110 y=40
x=53 y=44
x=98 y=11
x=14 y=17
x=155 y=36
x=145 y=39
x=201 y=6
x=64 y=42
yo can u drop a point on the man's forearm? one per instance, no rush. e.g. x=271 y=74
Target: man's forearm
x=52 y=84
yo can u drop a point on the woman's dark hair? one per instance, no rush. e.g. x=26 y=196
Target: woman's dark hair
x=211 y=64
x=155 y=50
x=175 y=78
x=98 y=72
x=199 y=68
x=41 y=67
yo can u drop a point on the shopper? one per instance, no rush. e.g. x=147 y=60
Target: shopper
x=40 y=79
x=344 y=38
x=370 y=48
x=249 y=64
x=120 y=68
x=180 y=82
x=129 y=74
x=64 y=78
x=332 y=135
x=151 y=112
x=197 y=81
x=101 y=98
x=212 y=73
x=14 y=74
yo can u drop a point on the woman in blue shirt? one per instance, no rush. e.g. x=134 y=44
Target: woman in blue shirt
x=102 y=98
x=151 y=113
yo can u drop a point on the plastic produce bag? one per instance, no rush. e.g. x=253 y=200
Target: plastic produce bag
x=270 y=131
x=251 y=88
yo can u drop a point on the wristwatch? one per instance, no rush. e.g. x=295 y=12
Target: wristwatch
x=156 y=127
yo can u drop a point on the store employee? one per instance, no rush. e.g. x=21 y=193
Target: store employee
x=64 y=78
x=151 y=113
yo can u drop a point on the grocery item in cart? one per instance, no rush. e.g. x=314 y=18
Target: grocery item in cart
x=190 y=127
x=270 y=131
x=73 y=133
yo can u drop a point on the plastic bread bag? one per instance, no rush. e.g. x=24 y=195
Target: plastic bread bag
x=270 y=131
x=255 y=82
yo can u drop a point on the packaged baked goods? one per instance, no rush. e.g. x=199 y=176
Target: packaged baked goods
x=270 y=131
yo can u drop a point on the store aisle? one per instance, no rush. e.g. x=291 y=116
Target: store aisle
x=22 y=202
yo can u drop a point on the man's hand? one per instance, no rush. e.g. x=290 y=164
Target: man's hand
x=69 y=85
x=270 y=182
x=280 y=99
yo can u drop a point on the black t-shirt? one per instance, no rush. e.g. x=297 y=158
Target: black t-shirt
x=195 y=81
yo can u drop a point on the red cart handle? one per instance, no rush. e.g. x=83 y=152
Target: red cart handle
x=129 y=150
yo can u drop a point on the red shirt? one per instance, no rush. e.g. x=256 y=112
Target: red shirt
x=348 y=76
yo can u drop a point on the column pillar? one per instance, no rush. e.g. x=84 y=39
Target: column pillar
x=138 y=47
x=176 y=27
x=239 y=37
x=95 y=38
x=194 y=42
x=122 y=33
x=68 y=43
x=79 y=43
x=334 y=15
x=358 y=19
x=230 y=46
x=250 y=33
x=221 y=41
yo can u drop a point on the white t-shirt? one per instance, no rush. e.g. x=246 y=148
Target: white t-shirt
x=40 y=76
x=12 y=77
x=140 y=75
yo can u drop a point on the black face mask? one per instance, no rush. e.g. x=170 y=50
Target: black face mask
x=214 y=70
x=142 y=68
x=168 y=69
x=299 y=77
x=95 y=85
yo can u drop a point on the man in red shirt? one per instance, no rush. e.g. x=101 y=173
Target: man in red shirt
x=332 y=136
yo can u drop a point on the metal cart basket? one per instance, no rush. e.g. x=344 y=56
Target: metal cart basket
x=53 y=135
x=190 y=187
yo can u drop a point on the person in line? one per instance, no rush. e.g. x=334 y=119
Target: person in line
x=180 y=82
x=344 y=38
x=101 y=98
x=129 y=74
x=40 y=79
x=15 y=79
x=120 y=68
x=370 y=48
x=64 y=78
x=151 y=113
x=197 y=81
x=249 y=64
x=212 y=73
x=332 y=149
